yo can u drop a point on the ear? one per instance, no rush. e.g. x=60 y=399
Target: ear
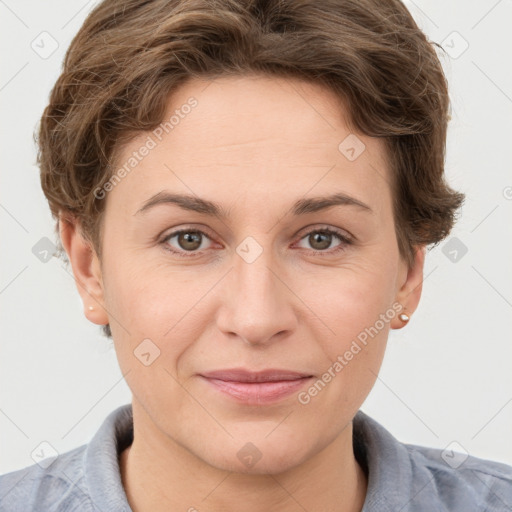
x=86 y=269
x=410 y=287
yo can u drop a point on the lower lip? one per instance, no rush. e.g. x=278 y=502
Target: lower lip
x=255 y=393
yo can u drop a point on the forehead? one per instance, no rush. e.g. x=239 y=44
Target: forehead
x=260 y=135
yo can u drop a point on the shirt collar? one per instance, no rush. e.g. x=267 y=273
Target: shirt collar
x=101 y=458
x=388 y=466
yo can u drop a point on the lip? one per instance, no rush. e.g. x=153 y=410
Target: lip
x=256 y=388
x=242 y=375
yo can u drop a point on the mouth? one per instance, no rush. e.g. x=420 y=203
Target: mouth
x=256 y=388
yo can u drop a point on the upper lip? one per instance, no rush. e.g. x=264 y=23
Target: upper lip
x=242 y=375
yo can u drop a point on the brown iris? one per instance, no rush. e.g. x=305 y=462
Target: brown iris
x=189 y=240
x=323 y=238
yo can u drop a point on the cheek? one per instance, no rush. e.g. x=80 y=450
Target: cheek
x=157 y=324
x=157 y=304
x=147 y=298
x=353 y=349
x=355 y=309
x=350 y=298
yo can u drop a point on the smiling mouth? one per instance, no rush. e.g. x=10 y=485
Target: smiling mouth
x=256 y=388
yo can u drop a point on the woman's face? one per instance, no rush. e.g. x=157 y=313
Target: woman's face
x=270 y=272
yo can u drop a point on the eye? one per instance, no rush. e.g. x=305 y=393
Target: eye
x=321 y=239
x=187 y=241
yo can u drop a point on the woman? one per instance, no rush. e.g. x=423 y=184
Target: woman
x=245 y=192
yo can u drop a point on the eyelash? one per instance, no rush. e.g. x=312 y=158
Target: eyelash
x=345 y=240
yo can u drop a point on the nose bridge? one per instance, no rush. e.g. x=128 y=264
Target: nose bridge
x=255 y=280
x=257 y=305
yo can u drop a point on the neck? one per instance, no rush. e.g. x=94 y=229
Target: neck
x=158 y=474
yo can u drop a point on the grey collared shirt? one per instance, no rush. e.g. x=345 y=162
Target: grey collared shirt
x=401 y=477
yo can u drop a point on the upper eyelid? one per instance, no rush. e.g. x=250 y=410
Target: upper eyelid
x=175 y=232
x=335 y=231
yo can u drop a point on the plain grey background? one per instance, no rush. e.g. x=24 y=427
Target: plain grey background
x=446 y=377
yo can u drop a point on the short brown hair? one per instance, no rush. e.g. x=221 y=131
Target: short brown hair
x=130 y=54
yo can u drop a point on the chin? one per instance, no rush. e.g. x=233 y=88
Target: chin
x=250 y=459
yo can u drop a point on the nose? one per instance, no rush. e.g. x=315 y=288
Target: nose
x=258 y=305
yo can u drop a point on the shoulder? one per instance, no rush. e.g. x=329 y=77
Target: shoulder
x=53 y=484
x=462 y=479
x=410 y=477
x=85 y=479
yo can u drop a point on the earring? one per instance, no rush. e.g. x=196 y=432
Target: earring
x=91 y=308
x=404 y=317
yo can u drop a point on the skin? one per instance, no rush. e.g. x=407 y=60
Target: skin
x=255 y=145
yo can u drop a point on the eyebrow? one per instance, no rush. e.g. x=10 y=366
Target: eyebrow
x=301 y=207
